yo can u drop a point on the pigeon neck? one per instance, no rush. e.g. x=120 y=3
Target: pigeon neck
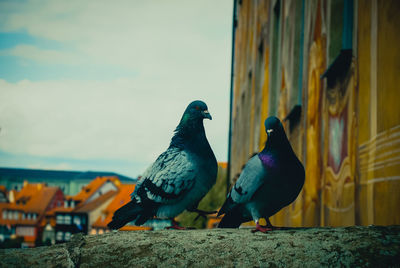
x=277 y=143
x=187 y=130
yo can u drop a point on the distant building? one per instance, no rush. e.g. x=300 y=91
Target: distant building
x=82 y=210
x=24 y=214
x=48 y=235
x=70 y=182
x=3 y=194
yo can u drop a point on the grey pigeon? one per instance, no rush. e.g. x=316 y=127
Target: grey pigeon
x=271 y=180
x=178 y=179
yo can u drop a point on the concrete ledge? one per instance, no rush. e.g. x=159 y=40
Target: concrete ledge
x=299 y=247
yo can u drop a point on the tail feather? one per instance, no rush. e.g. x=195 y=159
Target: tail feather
x=125 y=214
x=233 y=217
x=227 y=206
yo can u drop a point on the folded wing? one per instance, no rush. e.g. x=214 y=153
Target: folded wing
x=250 y=180
x=170 y=177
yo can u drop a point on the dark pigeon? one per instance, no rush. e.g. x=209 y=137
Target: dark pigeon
x=271 y=180
x=178 y=179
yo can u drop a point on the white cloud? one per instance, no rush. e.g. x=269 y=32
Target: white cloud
x=41 y=55
x=90 y=119
x=129 y=33
x=180 y=51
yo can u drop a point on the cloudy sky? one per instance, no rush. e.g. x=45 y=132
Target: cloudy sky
x=101 y=85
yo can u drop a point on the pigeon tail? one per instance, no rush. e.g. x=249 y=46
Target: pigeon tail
x=125 y=214
x=227 y=206
x=231 y=219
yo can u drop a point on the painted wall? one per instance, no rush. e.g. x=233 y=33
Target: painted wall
x=348 y=133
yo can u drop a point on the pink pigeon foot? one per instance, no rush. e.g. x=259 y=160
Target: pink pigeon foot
x=269 y=227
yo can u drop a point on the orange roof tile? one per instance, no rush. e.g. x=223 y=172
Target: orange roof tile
x=61 y=209
x=82 y=197
x=119 y=200
x=33 y=198
x=3 y=189
x=88 y=190
x=95 y=203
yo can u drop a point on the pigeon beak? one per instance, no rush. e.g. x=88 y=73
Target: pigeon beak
x=206 y=114
x=269 y=131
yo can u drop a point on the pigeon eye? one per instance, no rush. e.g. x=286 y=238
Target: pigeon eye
x=197 y=108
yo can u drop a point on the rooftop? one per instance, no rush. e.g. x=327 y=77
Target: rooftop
x=95 y=203
x=33 y=198
x=82 y=199
x=88 y=190
x=3 y=189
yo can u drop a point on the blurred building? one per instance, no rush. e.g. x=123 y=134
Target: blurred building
x=23 y=215
x=43 y=215
x=331 y=69
x=3 y=194
x=82 y=210
x=70 y=182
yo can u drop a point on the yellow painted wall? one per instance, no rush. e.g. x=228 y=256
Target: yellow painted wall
x=365 y=187
x=250 y=80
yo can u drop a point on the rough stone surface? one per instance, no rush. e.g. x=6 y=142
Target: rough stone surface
x=371 y=246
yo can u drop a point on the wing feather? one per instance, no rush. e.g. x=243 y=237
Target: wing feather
x=251 y=178
x=168 y=179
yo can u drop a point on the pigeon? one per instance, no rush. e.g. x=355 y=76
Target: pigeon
x=270 y=180
x=179 y=178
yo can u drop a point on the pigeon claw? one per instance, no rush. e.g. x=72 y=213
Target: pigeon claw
x=264 y=229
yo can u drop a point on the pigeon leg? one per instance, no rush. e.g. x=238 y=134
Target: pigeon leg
x=175 y=226
x=266 y=228
x=260 y=228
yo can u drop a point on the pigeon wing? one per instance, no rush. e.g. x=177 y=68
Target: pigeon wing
x=250 y=180
x=168 y=179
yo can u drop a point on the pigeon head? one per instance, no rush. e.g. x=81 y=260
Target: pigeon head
x=273 y=126
x=275 y=132
x=196 y=110
x=192 y=118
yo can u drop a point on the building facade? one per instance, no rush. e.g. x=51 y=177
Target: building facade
x=330 y=68
x=23 y=216
x=82 y=210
